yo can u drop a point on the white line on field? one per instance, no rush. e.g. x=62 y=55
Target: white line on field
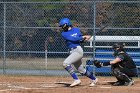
x=16 y=87
x=19 y=89
x=44 y=85
x=27 y=88
x=105 y=87
x=24 y=82
x=108 y=81
x=4 y=84
x=49 y=86
x=4 y=90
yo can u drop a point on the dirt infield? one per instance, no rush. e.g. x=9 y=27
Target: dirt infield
x=58 y=84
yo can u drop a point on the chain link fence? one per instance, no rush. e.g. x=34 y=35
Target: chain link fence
x=31 y=41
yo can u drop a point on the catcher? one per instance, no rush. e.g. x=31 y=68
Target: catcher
x=73 y=37
x=122 y=67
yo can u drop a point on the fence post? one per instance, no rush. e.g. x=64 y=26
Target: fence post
x=94 y=34
x=46 y=53
x=46 y=59
x=4 y=39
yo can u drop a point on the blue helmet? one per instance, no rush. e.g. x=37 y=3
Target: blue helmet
x=65 y=21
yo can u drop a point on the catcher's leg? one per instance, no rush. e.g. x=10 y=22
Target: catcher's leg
x=122 y=77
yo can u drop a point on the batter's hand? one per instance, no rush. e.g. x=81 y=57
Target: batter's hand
x=87 y=37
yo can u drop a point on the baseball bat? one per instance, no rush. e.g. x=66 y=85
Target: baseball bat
x=91 y=39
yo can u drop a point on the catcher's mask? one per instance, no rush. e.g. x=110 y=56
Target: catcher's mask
x=118 y=47
x=65 y=23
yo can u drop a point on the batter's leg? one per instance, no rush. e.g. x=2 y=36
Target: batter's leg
x=85 y=72
x=67 y=64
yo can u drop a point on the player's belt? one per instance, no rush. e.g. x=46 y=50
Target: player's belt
x=73 y=48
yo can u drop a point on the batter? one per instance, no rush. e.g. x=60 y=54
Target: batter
x=73 y=37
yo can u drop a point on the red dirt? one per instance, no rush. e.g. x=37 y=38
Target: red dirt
x=60 y=84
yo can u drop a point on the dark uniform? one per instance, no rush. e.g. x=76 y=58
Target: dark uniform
x=125 y=69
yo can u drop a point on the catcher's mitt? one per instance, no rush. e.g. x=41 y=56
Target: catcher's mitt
x=97 y=63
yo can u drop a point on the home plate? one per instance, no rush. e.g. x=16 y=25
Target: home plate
x=105 y=87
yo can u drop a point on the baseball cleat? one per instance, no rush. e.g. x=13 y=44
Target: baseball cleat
x=129 y=83
x=75 y=83
x=119 y=83
x=93 y=83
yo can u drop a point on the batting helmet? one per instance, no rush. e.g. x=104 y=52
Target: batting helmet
x=65 y=21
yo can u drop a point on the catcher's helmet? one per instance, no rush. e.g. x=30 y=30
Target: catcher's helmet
x=65 y=21
x=118 y=45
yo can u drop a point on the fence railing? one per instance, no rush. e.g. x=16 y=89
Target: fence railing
x=129 y=41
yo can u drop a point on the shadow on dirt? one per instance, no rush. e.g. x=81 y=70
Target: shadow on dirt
x=64 y=84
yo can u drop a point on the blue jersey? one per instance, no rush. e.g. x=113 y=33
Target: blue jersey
x=72 y=37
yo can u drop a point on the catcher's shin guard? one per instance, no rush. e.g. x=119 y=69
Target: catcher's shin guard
x=121 y=76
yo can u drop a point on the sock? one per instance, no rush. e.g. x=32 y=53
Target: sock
x=90 y=75
x=71 y=71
